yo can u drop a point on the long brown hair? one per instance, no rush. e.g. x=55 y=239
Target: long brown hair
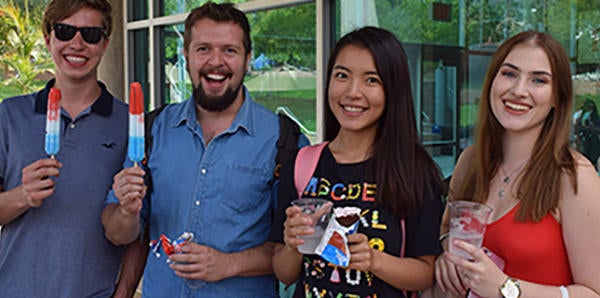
x=539 y=187
x=405 y=174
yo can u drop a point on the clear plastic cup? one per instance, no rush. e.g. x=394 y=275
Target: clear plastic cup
x=320 y=213
x=468 y=221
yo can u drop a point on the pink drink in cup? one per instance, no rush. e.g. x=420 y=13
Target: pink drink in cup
x=467 y=223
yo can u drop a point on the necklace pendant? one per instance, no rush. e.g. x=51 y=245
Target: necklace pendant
x=506 y=179
x=501 y=193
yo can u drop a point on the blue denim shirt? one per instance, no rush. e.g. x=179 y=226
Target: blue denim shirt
x=223 y=192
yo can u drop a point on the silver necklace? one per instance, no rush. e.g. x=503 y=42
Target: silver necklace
x=507 y=178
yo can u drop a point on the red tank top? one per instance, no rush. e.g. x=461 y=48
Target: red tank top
x=532 y=251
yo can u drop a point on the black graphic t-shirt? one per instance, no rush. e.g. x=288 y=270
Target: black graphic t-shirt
x=345 y=185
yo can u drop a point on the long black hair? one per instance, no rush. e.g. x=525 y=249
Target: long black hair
x=403 y=170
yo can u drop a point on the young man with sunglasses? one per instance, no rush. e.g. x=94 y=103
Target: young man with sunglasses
x=50 y=208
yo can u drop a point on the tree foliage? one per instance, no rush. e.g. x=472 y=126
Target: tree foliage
x=411 y=22
x=22 y=49
x=286 y=36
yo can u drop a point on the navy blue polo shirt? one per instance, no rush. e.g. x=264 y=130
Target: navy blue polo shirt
x=61 y=245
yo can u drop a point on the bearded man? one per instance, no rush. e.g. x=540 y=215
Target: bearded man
x=211 y=171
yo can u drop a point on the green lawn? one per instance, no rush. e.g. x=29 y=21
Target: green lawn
x=301 y=103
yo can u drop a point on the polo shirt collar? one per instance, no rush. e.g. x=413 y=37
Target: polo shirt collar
x=243 y=120
x=102 y=105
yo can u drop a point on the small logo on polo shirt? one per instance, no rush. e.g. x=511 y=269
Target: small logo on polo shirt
x=109 y=145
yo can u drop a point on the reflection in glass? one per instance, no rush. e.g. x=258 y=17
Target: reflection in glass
x=284 y=47
x=476 y=28
x=138 y=61
x=411 y=21
x=171 y=7
x=177 y=86
x=281 y=74
x=444 y=161
x=137 y=10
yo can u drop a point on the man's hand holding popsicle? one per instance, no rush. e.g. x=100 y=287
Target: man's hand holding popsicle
x=36 y=184
x=128 y=184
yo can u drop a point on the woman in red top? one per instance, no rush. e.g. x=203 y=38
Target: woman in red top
x=544 y=195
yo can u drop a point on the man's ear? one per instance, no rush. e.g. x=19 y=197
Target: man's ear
x=248 y=56
x=47 y=41
x=105 y=46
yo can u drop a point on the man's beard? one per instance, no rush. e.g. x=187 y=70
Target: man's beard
x=215 y=103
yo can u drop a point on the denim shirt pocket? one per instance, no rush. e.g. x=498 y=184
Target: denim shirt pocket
x=246 y=186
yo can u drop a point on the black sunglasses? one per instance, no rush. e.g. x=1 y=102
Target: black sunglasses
x=66 y=32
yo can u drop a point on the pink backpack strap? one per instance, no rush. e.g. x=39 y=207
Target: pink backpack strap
x=402 y=251
x=306 y=163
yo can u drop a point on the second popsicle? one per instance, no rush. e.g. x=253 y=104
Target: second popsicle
x=135 y=149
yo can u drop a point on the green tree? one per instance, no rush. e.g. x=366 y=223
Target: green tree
x=22 y=50
x=286 y=36
x=411 y=22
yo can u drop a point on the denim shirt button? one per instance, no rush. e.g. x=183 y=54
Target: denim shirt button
x=203 y=171
x=197 y=203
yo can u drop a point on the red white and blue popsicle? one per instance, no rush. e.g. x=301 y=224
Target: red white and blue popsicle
x=135 y=150
x=53 y=123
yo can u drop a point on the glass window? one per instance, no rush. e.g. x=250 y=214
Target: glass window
x=469 y=104
x=416 y=22
x=177 y=85
x=171 y=7
x=449 y=45
x=139 y=57
x=437 y=76
x=586 y=83
x=492 y=21
x=137 y=10
x=282 y=72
